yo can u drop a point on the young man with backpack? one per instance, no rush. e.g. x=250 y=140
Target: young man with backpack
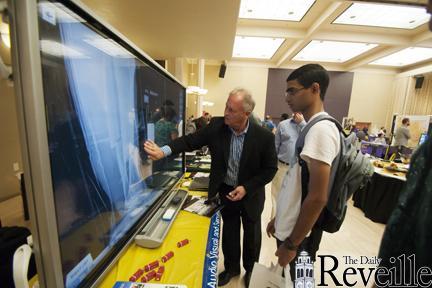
x=314 y=193
x=306 y=88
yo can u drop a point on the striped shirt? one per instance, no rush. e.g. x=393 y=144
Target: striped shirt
x=236 y=148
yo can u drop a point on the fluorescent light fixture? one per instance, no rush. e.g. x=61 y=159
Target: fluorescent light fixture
x=256 y=47
x=405 y=57
x=292 y=10
x=57 y=49
x=196 y=90
x=57 y=13
x=208 y=103
x=383 y=15
x=5 y=36
x=109 y=47
x=332 y=51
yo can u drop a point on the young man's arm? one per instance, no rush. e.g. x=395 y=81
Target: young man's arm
x=315 y=201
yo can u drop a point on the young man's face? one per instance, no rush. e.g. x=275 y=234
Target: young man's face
x=298 y=97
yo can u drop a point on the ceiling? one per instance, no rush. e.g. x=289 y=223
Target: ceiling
x=206 y=29
x=167 y=29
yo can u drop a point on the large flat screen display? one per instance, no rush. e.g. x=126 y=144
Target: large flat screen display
x=103 y=99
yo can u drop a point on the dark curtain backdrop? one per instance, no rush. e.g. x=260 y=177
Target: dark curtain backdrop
x=336 y=102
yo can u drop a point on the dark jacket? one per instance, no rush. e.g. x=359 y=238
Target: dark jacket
x=258 y=162
x=408 y=230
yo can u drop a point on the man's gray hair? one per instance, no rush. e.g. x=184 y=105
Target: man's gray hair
x=248 y=101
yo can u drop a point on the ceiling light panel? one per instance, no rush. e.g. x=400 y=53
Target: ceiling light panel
x=256 y=47
x=383 y=15
x=332 y=51
x=405 y=57
x=292 y=10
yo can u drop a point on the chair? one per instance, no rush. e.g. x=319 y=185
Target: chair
x=380 y=151
x=405 y=150
x=390 y=151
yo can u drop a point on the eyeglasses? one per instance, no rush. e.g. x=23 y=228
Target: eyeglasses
x=293 y=91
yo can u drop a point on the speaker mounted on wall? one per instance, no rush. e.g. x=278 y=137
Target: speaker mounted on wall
x=222 y=70
x=419 y=81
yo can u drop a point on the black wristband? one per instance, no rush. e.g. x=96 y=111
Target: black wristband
x=288 y=244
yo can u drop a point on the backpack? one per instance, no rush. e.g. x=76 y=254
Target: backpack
x=350 y=171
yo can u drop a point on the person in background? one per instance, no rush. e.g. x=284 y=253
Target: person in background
x=284 y=116
x=165 y=128
x=354 y=129
x=285 y=139
x=380 y=139
x=190 y=126
x=383 y=131
x=202 y=121
x=243 y=161
x=363 y=135
x=402 y=134
x=268 y=123
x=408 y=229
x=294 y=225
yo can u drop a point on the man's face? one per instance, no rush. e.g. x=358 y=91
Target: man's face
x=297 y=96
x=234 y=114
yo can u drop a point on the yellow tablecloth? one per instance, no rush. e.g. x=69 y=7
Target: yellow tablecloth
x=187 y=265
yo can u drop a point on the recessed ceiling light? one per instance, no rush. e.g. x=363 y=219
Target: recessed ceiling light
x=332 y=51
x=383 y=15
x=275 y=9
x=405 y=57
x=256 y=47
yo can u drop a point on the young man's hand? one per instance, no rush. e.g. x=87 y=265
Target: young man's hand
x=271 y=228
x=284 y=255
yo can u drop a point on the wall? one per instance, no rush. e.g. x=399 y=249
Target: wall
x=251 y=78
x=9 y=145
x=336 y=101
x=371 y=97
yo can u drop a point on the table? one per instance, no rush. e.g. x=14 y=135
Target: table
x=198 y=164
x=378 y=199
x=194 y=265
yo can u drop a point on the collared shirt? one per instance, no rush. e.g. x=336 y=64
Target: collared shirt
x=236 y=148
x=285 y=139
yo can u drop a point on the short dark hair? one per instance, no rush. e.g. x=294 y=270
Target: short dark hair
x=284 y=116
x=405 y=120
x=308 y=74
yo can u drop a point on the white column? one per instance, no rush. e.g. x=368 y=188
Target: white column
x=200 y=98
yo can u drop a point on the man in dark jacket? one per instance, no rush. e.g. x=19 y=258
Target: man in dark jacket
x=243 y=162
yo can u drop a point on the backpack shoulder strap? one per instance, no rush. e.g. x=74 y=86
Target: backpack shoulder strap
x=299 y=147
x=301 y=139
